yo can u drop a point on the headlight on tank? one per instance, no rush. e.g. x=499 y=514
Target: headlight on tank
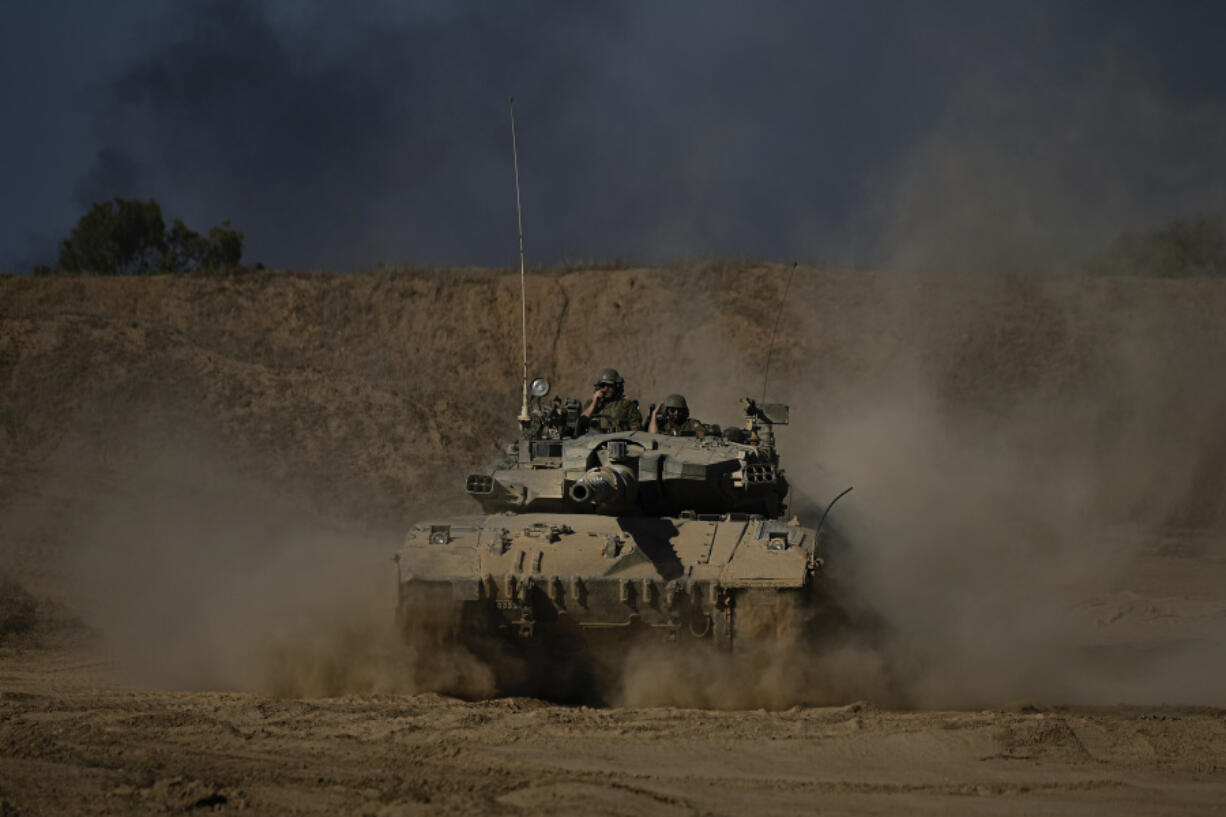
x=440 y=534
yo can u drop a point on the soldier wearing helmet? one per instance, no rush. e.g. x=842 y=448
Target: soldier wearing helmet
x=609 y=409
x=672 y=416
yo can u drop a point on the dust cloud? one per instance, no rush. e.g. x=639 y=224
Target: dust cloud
x=1011 y=486
x=991 y=540
x=778 y=664
x=196 y=575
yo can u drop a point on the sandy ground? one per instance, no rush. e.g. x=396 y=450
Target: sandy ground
x=69 y=744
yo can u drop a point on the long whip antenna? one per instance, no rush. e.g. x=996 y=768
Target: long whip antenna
x=523 y=287
x=846 y=491
x=771 y=346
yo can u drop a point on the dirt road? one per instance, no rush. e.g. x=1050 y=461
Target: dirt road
x=69 y=744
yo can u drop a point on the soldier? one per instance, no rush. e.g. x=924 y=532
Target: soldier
x=676 y=418
x=609 y=409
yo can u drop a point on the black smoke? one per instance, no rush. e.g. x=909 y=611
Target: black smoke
x=930 y=135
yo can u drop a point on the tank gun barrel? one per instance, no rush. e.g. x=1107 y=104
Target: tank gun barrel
x=605 y=486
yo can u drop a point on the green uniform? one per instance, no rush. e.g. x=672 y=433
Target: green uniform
x=616 y=415
x=667 y=426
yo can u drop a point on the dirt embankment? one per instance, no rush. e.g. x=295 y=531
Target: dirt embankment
x=371 y=393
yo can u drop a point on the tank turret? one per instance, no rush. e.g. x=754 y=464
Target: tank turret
x=553 y=469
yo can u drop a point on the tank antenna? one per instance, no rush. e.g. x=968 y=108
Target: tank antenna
x=771 y=346
x=523 y=289
x=846 y=491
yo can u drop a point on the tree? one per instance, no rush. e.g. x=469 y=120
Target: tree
x=127 y=237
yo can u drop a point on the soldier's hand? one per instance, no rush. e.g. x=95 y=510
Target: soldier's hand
x=592 y=406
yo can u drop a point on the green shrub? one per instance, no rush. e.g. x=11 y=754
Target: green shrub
x=127 y=237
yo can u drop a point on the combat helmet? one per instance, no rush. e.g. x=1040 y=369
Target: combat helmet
x=610 y=377
x=677 y=401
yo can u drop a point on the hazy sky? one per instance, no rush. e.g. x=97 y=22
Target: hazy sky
x=345 y=135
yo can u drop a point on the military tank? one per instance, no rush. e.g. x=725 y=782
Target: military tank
x=591 y=536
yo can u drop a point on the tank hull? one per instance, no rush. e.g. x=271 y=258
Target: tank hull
x=530 y=577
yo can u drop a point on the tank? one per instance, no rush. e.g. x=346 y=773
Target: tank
x=586 y=537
